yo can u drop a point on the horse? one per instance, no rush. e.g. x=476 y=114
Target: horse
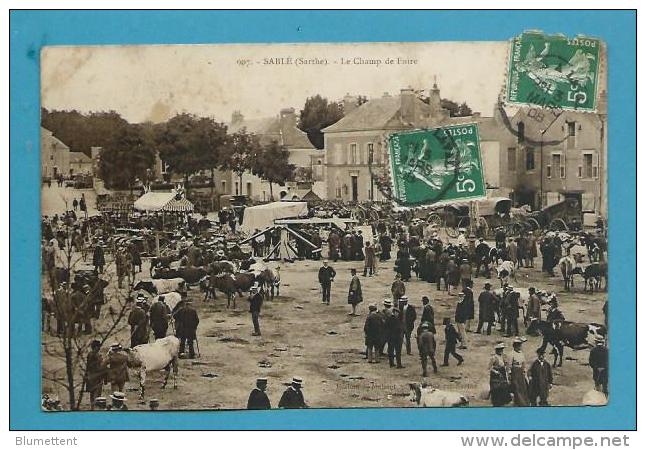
x=158 y=355
x=429 y=397
x=562 y=334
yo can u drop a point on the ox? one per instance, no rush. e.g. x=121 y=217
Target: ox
x=192 y=275
x=159 y=355
x=562 y=334
x=156 y=287
x=429 y=397
x=162 y=262
x=232 y=284
x=567 y=265
x=268 y=277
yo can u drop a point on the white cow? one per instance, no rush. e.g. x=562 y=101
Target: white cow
x=594 y=398
x=505 y=271
x=171 y=299
x=429 y=397
x=159 y=355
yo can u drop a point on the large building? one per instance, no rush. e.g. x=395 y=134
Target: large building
x=54 y=155
x=80 y=163
x=523 y=157
x=283 y=130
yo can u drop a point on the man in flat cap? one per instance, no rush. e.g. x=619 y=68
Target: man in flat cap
x=138 y=322
x=258 y=398
x=373 y=333
x=95 y=372
x=426 y=345
x=540 y=379
x=408 y=315
x=293 y=398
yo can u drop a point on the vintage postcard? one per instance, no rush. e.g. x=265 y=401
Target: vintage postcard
x=371 y=225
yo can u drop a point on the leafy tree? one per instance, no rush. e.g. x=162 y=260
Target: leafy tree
x=455 y=109
x=127 y=158
x=80 y=132
x=189 y=144
x=242 y=154
x=318 y=113
x=271 y=163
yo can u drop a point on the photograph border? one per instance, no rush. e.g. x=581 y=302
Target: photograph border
x=31 y=30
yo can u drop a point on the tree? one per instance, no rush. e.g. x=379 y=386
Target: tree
x=318 y=113
x=127 y=158
x=189 y=144
x=271 y=163
x=242 y=152
x=455 y=110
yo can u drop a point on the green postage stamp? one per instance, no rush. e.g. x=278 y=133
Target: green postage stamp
x=553 y=72
x=440 y=165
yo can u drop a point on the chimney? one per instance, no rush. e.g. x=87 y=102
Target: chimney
x=408 y=100
x=435 y=101
x=349 y=103
x=236 y=117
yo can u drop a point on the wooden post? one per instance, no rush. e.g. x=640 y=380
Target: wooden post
x=157 y=242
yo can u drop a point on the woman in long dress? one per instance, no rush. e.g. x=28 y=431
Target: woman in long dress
x=519 y=382
x=498 y=379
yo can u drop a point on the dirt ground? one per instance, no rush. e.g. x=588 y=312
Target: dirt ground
x=325 y=346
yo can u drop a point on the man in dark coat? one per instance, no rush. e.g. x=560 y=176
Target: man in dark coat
x=293 y=398
x=469 y=304
x=334 y=245
x=358 y=246
x=372 y=330
x=511 y=305
x=395 y=337
x=138 y=324
x=540 y=379
x=426 y=345
x=599 y=362
x=98 y=258
x=402 y=264
x=258 y=398
x=255 y=304
x=186 y=322
x=354 y=292
x=452 y=337
x=398 y=289
x=386 y=243
x=159 y=315
x=408 y=315
x=95 y=372
x=486 y=303
x=326 y=277
x=428 y=314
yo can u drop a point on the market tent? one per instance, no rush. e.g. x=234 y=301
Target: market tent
x=162 y=201
x=263 y=216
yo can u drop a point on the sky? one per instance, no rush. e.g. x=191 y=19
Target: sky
x=153 y=83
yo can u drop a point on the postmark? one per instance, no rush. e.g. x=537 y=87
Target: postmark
x=553 y=71
x=434 y=166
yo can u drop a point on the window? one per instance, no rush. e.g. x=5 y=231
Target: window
x=521 y=132
x=237 y=193
x=224 y=186
x=372 y=157
x=338 y=155
x=557 y=166
x=587 y=165
x=571 y=128
x=529 y=159
x=353 y=153
x=511 y=159
x=249 y=189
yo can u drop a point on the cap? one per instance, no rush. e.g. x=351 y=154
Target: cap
x=540 y=351
x=261 y=380
x=518 y=340
x=372 y=307
x=500 y=345
x=388 y=302
x=297 y=380
x=403 y=298
x=424 y=325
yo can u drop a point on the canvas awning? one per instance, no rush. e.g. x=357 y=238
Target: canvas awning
x=162 y=201
x=263 y=216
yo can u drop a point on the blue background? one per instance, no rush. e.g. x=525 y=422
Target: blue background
x=31 y=30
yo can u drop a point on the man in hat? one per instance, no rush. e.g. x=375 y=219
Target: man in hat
x=117 y=366
x=486 y=302
x=369 y=267
x=461 y=317
x=394 y=328
x=384 y=314
x=372 y=330
x=255 y=304
x=533 y=306
x=138 y=322
x=426 y=346
x=408 y=315
x=428 y=314
x=118 y=401
x=98 y=257
x=186 y=322
x=95 y=372
x=398 y=288
x=540 y=379
x=326 y=277
x=554 y=314
x=293 y=398
x=598 y=361
x=159 y=317
x=354 y=292
x=258 y=398
x=451 y=337
x=100 y=403
x=511 y=306
x=465 y=272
